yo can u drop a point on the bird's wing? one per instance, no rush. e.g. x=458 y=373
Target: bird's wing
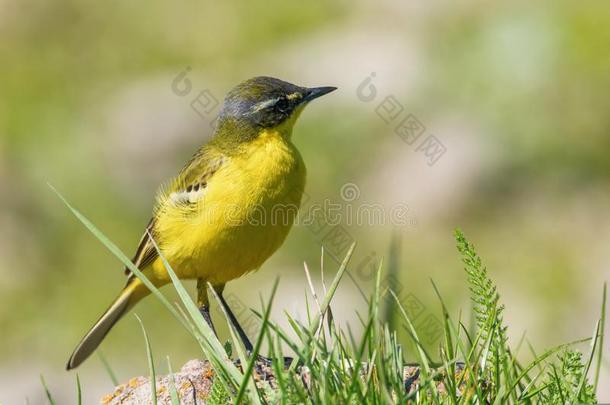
x=188 y=187
x=146 y=252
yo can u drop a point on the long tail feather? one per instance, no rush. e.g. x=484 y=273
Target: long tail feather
x=131 y=294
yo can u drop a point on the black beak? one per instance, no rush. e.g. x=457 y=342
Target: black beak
x=316 y=92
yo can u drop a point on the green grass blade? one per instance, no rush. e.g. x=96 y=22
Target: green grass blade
x=557 y=382
x=79 y=392
x=602 y=328
x=525 y=394
x=211 y=353
x=277 y=366
x=151 y=364
x=355 y=371
x=173 y=393
x=583 y=379
x=46 y=390
x=240 y=353
x=448 y=346
x=218 y=351
x=332 y=289
x=533 y=352
x=236 y=343
x=541 y=358
x=257 y=346
x=121 y=256
x=394 y=257
x=533 y=394
x=214 y=350
x=424 y=358
x=107 y=367
x=284 y=336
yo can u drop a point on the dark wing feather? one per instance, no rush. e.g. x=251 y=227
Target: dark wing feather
x=146 y=252
x=199 y=169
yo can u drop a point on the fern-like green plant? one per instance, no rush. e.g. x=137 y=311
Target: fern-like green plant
x=564 y=381
x=219 y=395
x=487 y=309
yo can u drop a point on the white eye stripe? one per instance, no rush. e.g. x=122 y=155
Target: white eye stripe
x=263 y=104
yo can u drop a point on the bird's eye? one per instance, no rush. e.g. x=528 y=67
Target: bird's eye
x=281 y=104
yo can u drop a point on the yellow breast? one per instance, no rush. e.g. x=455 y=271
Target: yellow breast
x=245 y=214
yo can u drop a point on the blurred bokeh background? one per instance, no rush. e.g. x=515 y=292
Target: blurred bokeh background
x=516 y=96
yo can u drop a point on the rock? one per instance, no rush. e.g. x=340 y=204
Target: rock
x=194 y=381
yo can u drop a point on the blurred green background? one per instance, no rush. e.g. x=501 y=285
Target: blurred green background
x=516 y=93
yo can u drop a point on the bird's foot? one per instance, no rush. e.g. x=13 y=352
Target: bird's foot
x=268 y=361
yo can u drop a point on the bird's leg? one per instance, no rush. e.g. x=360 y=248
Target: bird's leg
x=204 y=304
x=242 y=335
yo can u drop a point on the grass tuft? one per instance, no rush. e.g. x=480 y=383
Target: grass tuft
x=333 y=365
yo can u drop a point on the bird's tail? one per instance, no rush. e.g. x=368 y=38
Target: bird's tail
x=133 y=292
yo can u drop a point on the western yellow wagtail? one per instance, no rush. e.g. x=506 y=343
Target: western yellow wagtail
x=218 y=219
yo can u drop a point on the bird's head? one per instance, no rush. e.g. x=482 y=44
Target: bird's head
x=265 y=103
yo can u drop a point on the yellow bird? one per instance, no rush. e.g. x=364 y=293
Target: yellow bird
x=229 y=209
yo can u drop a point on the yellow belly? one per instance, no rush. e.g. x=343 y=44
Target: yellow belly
x=247 y=210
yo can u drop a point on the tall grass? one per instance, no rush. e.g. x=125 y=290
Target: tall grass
x=331 y=365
